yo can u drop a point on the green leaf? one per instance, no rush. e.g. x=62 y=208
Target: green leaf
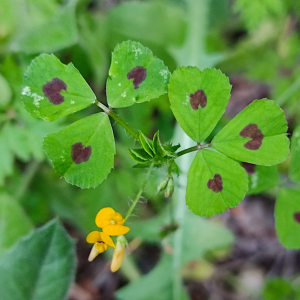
x=39 y=267
x=55 y=33
x=294 y=171
x=14 y=223
x=198 y=99
x=261 y=178
x=139 y=155
x=6 y=92
x=157 y=146
x=278 y=289
x=135 y=76
x=215 y=183
x=256 y=135
x=53 y=90
x=83 y=152
x=287 y=218
x=157 y=282
x=146 y=144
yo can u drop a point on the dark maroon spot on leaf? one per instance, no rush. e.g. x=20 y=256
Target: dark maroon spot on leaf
x=52 y=91
x=198 y=98
x=138 y=74
x=80 y=153
x=253 y=132
x=297 y=217
x=215 y=184
x=250 y=168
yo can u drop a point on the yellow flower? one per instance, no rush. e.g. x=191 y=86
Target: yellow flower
x=118 y=255
x=101 y=242
x=111 y=222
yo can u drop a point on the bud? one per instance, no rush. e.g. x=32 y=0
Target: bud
x=162 y=186
x=118 y=255
x=94 y=253
x=170 y=188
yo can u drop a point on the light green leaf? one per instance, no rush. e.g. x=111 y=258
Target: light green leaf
x=256 y=135
x=53 y=90
x=6 y=93
x=55 y=33
x=287 y=218
x=157 y=146
x=14 y=223
x=215 y=183
x=83 y=152
x=146 y=144
x=39 y=267
x=158 y=282
x=294 y=171
x=261 y=178
x=198 y=99
x=135 y=76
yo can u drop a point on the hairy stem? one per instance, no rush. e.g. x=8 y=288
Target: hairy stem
x=139 y=194
x=109 y=112
x=191 y=149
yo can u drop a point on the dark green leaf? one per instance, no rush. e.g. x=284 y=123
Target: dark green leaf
x=39 y=267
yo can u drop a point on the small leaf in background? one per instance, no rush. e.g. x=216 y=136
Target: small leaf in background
x=278 y=289
x=294 y=171
x=135 y=75
x=55 y=33
x=53 y=90
x=215 y=183
x=287 y=218
x=39 y=266
x=261 y=178
x=14 y=223
x=6 y=92
x=256 y=135
x=198 y=99
x=83 y=152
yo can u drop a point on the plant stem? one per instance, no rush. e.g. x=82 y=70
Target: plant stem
x=139 y=194
x=191 y=149
x=109 y=112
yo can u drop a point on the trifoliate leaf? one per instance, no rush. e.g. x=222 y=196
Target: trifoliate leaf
x=215 y=183
x=14 y=223
x=83 y=152
x=39 y=266
x=256 y=135
x=287 y=218
x=294 y=170
x=53 y=90
x=198 y=99
x=261 y=178
x=135 y=76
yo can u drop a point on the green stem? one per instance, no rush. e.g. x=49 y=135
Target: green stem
x=30 y=171
x=139 y=194
x=109 y=112
x=288 y=93
x=191 y=149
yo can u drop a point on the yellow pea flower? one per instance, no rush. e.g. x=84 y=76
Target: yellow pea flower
x=118 y=255
x=111 y=222
x=101 y=242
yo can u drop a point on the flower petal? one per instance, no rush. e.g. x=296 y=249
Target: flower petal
x=115 y=229
x=104 y=216
x=94 y=253
x=93 y=237
x=118 y=218
x=101 y=247
x=107 y=240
